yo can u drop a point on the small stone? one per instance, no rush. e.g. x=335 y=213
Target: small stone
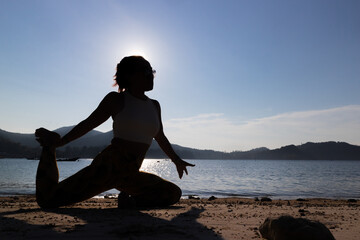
x=212 y=198
x=287 y=227
x=194 y=197
x=265 y=199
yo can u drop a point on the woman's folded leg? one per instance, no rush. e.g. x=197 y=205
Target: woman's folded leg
x=88 y=182
x=149 y=190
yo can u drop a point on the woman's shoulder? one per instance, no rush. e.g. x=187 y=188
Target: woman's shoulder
x=114 y=95
x=114 y=101
x=156 y=103
x=113 y=98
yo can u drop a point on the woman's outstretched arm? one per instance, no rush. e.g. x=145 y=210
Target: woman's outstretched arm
x=169 y=151
x=97 y=117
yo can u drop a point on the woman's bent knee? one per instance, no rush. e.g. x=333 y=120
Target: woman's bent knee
x=174 y=194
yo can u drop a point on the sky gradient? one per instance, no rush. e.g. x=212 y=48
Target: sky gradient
x=231 y=75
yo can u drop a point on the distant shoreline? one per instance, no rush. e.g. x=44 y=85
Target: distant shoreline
x=204 y=198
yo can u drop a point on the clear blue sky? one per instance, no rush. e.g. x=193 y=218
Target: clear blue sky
x=231 y=75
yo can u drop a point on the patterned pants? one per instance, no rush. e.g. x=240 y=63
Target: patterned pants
x=117 y=166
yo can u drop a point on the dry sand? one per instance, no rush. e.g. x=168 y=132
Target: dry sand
x=226 y=218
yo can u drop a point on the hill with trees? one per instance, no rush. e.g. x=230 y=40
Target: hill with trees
x=18 y=145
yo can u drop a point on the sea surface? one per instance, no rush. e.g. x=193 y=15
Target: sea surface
x=277 y=179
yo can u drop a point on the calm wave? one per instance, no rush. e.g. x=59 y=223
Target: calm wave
x=221 y=178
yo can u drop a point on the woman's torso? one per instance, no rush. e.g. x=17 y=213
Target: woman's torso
x=137 y=121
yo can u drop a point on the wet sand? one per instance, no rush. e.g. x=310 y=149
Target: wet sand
x=225 y=218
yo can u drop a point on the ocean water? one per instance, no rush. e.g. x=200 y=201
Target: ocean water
x=278 y=179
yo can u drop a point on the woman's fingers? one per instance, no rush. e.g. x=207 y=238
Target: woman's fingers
x=180 y=173
x=181 y=167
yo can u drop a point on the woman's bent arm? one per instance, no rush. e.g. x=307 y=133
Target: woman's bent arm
x=169 y=151
x=99 y=116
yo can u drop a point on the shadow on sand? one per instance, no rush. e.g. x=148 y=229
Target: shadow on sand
x=110 y=223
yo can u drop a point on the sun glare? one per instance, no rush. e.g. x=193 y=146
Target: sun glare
x=131 y=48
x=137 y=52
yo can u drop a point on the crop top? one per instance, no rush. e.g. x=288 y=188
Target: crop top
x=138 y=121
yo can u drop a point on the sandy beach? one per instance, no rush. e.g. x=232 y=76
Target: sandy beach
x=225 y=218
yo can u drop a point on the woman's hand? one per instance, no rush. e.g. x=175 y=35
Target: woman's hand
x=181 y=166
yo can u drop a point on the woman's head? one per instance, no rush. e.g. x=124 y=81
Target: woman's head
x=130 y=67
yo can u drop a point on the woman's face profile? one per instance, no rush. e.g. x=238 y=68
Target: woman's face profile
x=144 y=77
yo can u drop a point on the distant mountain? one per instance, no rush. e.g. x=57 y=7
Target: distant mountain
x=25 y=139
x=24 y=145
x=307 y=151
x=330 y=150
x=11 y=149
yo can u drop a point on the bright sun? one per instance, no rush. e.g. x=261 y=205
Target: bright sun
x=138 y=52
x=136 y=48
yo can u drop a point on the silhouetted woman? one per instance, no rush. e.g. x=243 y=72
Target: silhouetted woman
x=136 y=121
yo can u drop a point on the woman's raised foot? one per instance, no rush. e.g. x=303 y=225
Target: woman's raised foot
x=47 y=138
